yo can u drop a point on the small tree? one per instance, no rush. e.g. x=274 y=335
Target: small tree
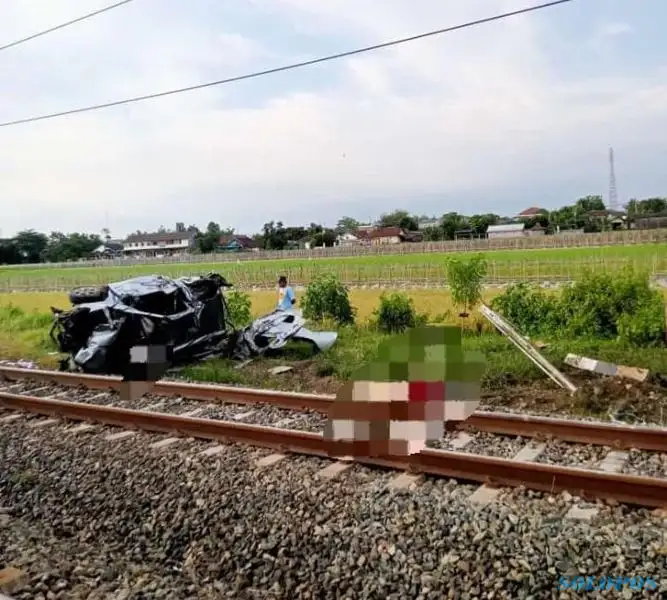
x=326 y=297
x=465 y=280
x=395 y=314
x=240 y=308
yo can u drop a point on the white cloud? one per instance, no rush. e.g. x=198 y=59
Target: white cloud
x=605 y=34
x=473 y=111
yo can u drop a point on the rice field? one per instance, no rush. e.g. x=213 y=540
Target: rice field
x=554 y=264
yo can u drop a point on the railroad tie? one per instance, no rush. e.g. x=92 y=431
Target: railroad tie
x=486 y=494
x=39 y=389
x=10 y=579
x=405 y=481
x=43 y=423
x=193 y=413
x=213 y=450
x=461 y=440
x=121 y=435
x=334 y=469
x=243 y=415
x=165 y=443
x=613 y=462
x=82 y=427
x=10 y=418
x=270 y=460
x=155 y=407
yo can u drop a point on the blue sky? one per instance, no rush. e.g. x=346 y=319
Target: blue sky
x=495 y=118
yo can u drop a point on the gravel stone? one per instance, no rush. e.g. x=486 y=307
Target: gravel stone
x=102 y=520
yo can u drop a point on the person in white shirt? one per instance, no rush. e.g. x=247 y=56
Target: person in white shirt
x=286 y=296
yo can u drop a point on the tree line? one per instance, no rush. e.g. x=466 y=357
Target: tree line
x=30 y=246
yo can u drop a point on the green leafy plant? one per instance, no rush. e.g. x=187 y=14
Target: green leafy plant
x=395 y=314
x=620 y=306
x=465 y=279
x=327 y=298
x=240 y=308
x=528 y=307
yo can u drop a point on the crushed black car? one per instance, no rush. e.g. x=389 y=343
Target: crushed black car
x=187 y=316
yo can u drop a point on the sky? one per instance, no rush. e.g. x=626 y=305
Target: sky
x=493 y=118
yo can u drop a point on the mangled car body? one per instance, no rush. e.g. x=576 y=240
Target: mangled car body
x=188 y=316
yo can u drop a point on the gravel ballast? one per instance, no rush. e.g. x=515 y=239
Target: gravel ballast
x=89 y=518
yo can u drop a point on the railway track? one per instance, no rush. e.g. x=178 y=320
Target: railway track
x=587 y=459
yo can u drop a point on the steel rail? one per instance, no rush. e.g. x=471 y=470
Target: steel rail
x=629 y=489
x=606 y=434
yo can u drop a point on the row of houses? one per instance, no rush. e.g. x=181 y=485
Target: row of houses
x=378 y=236
x=172 y=243
x=168 y=243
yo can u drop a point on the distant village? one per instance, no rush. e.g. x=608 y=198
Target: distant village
x=528 y=223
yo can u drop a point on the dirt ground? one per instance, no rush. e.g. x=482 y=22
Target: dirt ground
x=601 y=397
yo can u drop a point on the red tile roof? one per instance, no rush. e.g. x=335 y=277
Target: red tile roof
x=532 y=211
x=385 y=232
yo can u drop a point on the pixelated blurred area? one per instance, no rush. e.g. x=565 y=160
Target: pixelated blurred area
x=395 y=404
x=145 y=366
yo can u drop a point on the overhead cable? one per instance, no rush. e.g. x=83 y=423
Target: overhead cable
x=283 y=68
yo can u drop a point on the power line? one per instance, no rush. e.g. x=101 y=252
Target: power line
x=289 y=67
x=63 y=25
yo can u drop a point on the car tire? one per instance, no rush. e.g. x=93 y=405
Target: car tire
x=83 y=295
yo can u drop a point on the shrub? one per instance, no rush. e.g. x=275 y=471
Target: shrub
x=326 y=297
x=465 y=279
x=395 y=314
x=527 y=307
x=620 y=305
x=240 y=308
x=646 y=327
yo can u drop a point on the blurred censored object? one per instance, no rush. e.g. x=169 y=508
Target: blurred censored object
x=395 y=404
x=147 y=364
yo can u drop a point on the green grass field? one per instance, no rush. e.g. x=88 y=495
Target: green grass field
x=555 y=264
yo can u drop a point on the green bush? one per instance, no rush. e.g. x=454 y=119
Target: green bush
x=528 y=307
x=395 y=314
x=327 y=298
x=240 y=308
x=465 y=280
x=618 y=306
x=646 y=327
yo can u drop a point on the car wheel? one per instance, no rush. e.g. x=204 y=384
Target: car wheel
x=83 y=295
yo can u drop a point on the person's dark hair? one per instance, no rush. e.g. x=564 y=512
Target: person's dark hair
x=282 y=279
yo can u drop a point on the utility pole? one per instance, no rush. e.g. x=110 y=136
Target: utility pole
x=613 y=194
